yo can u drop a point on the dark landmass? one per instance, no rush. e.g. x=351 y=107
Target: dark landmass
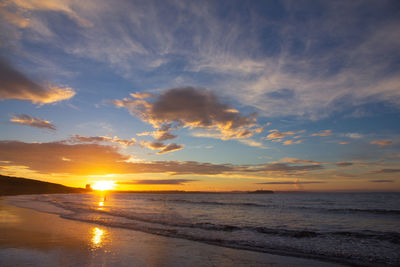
x=261 y=192
x=21 y=186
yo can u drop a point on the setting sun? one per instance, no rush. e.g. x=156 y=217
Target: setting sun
x=103 y=185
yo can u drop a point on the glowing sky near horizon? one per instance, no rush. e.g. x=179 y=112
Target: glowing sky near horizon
x=202 y=95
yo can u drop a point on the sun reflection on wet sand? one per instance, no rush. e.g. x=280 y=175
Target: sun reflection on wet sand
x=100 y=205
x=97 y=237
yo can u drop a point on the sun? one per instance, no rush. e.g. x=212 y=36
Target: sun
x=103 y=185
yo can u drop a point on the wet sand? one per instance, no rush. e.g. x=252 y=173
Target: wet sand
x=31 y=238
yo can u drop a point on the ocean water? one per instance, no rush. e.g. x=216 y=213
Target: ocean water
x=352 y=228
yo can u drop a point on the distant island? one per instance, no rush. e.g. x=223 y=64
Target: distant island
x=21 y=186
x=261 y=192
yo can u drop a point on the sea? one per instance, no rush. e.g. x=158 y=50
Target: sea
x=357 y=229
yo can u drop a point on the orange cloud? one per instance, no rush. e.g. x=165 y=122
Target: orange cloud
x=279 y=135
x=16 y=85
x=31 y=121
x=291 y=142
x=382 y=142
x=21 y=6
x=141 y=95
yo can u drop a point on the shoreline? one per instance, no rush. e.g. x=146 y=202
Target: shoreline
x=42 y=239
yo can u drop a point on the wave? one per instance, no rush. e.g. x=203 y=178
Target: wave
x=252 y=204
x=343 y=246
x=393 y=237
x=214 y=203
x=276 y=241
x=373 y=211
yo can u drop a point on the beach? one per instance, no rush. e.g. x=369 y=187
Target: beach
x=32 y=238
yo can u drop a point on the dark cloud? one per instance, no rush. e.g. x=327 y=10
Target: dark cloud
x=344 y=164
x=160 y=182
x=161 y=146
x=293 y=183
x=162 y=136
x=282 y=167
x=15 y=85
x=193 y=108
x=170 y=148
x=381 y=181
x=24 y=119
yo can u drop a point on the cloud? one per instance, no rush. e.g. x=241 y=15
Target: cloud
x=76 y=138
x=161 y=134
x=252 y=143
x=93 y=159
x=344 y=164
x=387 y=171
x=279 y=135
x=343 y=143
x=323 y=133
x=24 y=119
x=291 y=142
x=141 y=95
x=297 y=161
x=162 y=147
x=283 y=167
x=192 y=108
x=15 y=85
x=96 y=159
x=382 y=143
x=381 y=181
x=160 y=182
x=14 y=18
x=293 y=61
x=293 y=183
x=48 y=5
x=354 y=135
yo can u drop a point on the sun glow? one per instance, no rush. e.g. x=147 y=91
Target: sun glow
x=103 y=185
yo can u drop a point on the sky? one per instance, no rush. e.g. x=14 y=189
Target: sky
x=202 y=95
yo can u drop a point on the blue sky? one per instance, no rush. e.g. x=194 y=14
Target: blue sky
x=271 y=94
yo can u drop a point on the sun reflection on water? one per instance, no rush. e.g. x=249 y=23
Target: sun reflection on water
x=97 y=237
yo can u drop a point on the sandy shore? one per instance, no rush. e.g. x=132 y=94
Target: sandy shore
x=31 y=238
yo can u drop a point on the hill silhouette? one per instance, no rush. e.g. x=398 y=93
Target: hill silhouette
x=21 y=186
